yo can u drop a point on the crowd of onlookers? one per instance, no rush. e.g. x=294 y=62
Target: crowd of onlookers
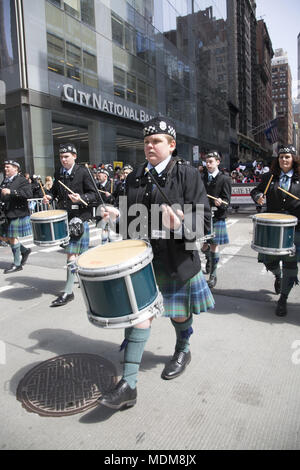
x=249 y=172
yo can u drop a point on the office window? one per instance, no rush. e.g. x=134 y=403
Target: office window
x=73 y=61
x=131 y=88
x=72 y=7
x=56 y=53
x=142 y=93
x=90 y=69
x=119 y=82
x=117 y=30
x=88 y=12
x=56 y=2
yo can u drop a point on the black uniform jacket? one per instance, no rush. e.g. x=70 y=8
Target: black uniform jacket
x=219 y=187
x=182 y=184
x=15 y=203
x=278 y=201
x=79 y=181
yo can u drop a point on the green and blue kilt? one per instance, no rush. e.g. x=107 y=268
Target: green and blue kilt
x=16 y=228
x=77 y=247
x=266 y=259
x=183 y=300
x=220 y=231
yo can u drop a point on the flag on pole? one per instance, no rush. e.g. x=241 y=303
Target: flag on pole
x=271 y=132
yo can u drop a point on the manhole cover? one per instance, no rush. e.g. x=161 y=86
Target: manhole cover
x=66 y=385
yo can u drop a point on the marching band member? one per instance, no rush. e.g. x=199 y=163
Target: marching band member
x=286 y=175
x=219 y=187
x=78 y=180
x=177 y=267
x=15 y=190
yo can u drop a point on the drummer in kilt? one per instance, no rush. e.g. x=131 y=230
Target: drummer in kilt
x=15 y=218
x=218 y=186
x=78 y=180
x=176 y=263
x=286 y=174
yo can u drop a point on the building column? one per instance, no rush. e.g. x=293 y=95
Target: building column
x=102 y=142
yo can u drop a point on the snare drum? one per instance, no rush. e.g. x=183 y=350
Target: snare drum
x=50 y=228
x=273 y=234
x=118 y=284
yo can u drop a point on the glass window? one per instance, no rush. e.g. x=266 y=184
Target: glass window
x=55 y=2
x=142 y=93
x=90 y=69
x=119 y=82
x=117 y=30
x=73 y=61
x=131 y=88
x=56 y=53
x=88 y=12
x=72 y=7
x=130 y=45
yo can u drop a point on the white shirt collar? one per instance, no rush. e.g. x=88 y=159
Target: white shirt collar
x=289 y=173
x=161 y=166
x=214 y=174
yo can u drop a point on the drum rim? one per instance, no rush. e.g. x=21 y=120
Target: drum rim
x=154 y=309
x=274 y=251
x=108 y=275
x=290 y=220
x=51 y=218
x=114 y=269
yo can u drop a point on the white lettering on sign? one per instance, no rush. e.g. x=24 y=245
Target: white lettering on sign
x=95 y=101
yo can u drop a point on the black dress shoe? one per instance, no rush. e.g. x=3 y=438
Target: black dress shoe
x=281 y=308
x=121 y=395
x=25 y=256
x=212 y=281
x=63 y=299
x=13 y=269
x=177 y=365
x=277 y=284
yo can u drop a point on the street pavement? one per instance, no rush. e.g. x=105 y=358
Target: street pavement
x=240 y=391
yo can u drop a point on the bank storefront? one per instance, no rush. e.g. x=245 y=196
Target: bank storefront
x=91 y=72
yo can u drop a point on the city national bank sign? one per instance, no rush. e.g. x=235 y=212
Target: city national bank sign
x=95 y=101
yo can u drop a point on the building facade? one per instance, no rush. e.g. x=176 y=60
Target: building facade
x=92 y=71
x=282 y=95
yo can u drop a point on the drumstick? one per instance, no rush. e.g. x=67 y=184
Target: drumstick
x=267 y=187
x=72 y=192
x=290 y=194
x=216 y=199
x=43 y=191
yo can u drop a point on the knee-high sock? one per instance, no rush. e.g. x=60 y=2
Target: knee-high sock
x=71 y=273
x=215 y=258
x=183 y=332
x=289 y=279
x=16 y=253
x=135 y=340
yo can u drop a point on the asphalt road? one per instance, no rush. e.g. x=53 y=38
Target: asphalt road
x=240 y=391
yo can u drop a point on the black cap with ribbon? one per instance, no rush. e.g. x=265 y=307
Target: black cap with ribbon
x=159 y=125
x=12 y=162
x=287 y=149
x=66 y=148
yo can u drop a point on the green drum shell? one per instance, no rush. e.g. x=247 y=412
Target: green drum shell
x=50 y=230
x=274 y=236
x=108 y=292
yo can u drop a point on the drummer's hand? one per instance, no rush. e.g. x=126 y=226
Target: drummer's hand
x=46 y=199
x=170 y=219
x=261 y=200
x=109 y=212
x=5 y=191
x=74 y=197
x=107 y=194
x=218 y=202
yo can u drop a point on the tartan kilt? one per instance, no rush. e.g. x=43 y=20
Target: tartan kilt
x=183 y=300
x=221 y=234
x=16 y=228
x=77 y=247
x=265 y=258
